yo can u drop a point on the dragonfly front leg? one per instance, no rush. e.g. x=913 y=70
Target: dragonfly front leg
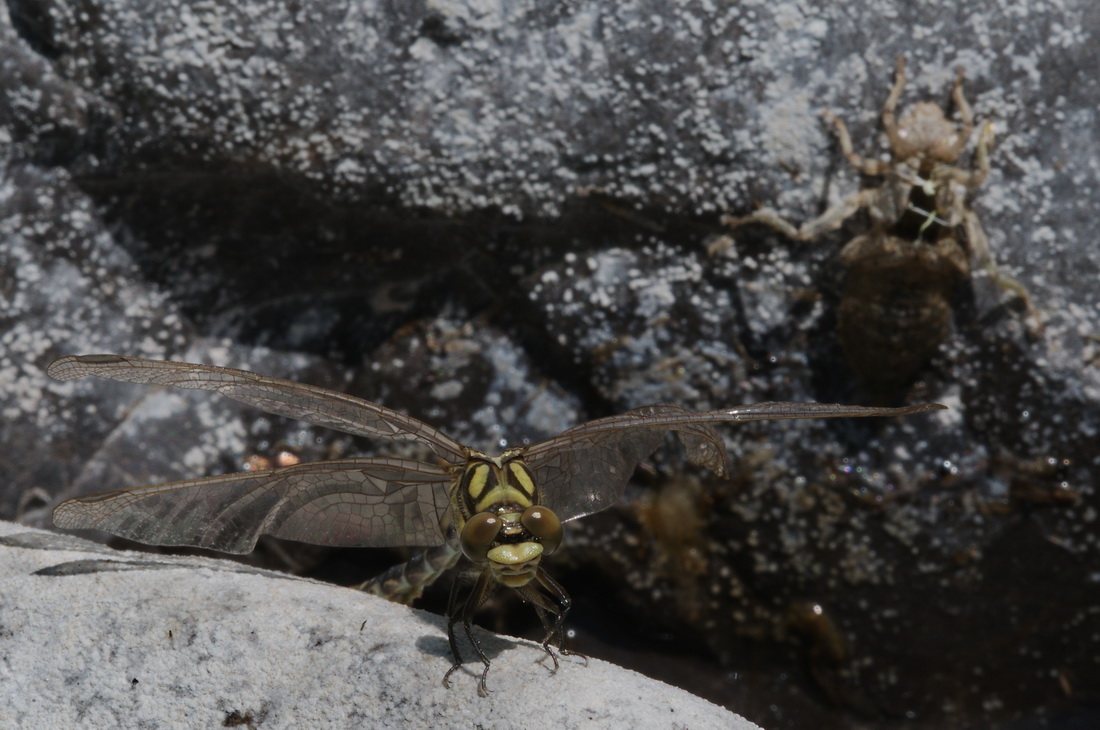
x=481 y=592
x=558 y=608
x=545 y=608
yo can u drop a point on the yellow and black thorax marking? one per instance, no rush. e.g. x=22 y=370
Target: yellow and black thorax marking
x=494 y=484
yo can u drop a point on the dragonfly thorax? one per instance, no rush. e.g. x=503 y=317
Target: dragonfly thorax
x=491 y=483
x=500 y=524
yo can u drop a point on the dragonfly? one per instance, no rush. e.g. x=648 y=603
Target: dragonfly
x=500 y=514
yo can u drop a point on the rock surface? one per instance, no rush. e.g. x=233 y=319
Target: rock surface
x=94 y=637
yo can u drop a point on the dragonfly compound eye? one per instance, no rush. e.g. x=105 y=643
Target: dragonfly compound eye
x=478 y=535
x=544 y=526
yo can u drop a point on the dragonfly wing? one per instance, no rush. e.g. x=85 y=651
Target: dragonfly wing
x=586 y=469
x=319 y=406
x=347 y=502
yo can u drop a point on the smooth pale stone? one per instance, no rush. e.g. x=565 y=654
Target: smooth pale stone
x=93 y=637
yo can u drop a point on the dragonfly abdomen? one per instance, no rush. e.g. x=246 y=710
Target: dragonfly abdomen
x=405 y=583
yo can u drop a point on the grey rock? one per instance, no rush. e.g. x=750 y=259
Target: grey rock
x=196 y=642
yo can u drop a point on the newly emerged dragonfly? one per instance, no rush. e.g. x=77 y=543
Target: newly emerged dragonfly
x=500 y=513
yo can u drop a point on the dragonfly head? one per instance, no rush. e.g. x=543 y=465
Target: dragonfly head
x=511 y=542
x=501 y=523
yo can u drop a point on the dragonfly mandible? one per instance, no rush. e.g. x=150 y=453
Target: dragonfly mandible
x=502 y=513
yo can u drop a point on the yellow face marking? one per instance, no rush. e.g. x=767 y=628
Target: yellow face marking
x=516 y=555
x=515 y=565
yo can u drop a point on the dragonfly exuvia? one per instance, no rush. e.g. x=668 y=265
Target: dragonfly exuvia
x=502 y=513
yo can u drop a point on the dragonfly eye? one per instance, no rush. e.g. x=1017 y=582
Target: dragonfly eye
x=544 y=525
x=478 y=535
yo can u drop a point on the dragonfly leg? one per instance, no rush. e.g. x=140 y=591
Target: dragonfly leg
x=481 y=591
x=558 y=608
x=545 y=608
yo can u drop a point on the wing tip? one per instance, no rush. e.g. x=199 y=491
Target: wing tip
x=67 y=517
x=64 y=368
x=77 y=366
x=923 y=408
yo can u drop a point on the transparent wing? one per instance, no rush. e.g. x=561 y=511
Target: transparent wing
x=347 y=503
x=283 y=397
x=586 y=469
